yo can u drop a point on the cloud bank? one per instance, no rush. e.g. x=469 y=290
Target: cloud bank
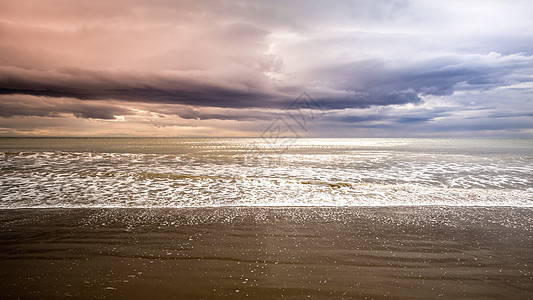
x=212 y=68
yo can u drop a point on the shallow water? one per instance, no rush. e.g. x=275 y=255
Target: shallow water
x=166 y=172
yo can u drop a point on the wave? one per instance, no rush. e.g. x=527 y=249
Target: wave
x=167 y=190
x=307 y=178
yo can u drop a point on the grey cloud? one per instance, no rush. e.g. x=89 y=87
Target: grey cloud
x=208 y=113
x=92 y=85
x=375 y=82
x=358 y=84
x=370 y=118
x=11 y=106
x=245 y=61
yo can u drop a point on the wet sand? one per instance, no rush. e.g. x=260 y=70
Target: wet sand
x=267 y=253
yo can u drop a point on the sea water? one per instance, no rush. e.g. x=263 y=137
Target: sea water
x=210 y=172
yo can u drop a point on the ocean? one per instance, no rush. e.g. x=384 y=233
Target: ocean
x=212 y=172
x=232 y=218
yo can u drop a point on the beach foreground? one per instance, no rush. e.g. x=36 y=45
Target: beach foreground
x=299 y=252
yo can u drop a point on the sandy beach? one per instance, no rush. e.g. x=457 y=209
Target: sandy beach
x=267 y=253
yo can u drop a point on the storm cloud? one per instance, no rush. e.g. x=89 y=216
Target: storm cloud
x=369 y=64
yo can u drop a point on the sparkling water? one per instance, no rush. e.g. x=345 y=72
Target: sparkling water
x=206 y=172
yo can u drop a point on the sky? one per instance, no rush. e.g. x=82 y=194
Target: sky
x=380 y=68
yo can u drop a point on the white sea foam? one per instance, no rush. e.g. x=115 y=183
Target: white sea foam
x=238 y=173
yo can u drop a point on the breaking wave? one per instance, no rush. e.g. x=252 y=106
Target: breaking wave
x=230 y=175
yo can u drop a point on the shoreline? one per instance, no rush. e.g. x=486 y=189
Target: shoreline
x=272 y=206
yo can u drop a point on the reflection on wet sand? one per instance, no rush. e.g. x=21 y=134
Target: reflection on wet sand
x=299 y=252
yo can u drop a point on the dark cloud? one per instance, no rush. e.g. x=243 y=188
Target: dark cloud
x=355 y=85
x=92 y=85
x=196 y=113
x=17 y=105
x=379 y=118
x=245 y=62
x=376 y=82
